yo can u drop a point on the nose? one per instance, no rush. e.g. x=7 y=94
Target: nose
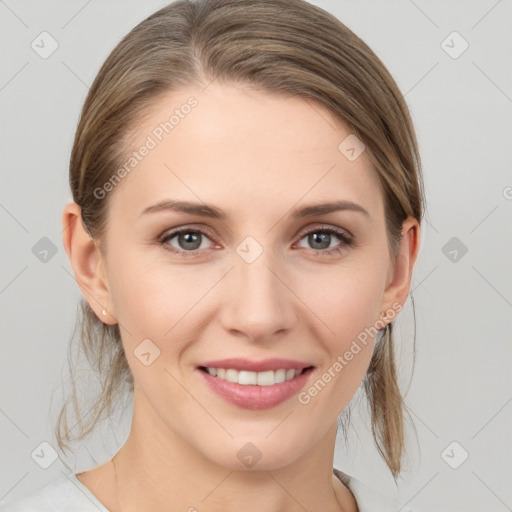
x=258 y=301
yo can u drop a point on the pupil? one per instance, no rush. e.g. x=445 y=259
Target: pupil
x=322 y=238
x=190 y=240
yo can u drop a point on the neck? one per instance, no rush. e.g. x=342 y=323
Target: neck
x=158 y=471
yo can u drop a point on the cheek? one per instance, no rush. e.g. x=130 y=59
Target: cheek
x=151 y=298
x=154 y=301
x=347 y=299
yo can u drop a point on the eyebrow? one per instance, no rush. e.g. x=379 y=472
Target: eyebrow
x=206 y=210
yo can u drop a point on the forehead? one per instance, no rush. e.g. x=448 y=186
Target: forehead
x=236 y=146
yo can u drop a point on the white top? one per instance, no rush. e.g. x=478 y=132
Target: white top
x=67 y=494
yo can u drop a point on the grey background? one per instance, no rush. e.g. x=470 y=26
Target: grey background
x=460 y=389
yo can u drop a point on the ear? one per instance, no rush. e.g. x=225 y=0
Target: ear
x=400 y=272
x=87 y=262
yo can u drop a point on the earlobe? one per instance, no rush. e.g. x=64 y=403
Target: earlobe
x=397 y=289
x=87 y=263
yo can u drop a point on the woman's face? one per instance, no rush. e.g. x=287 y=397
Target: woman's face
x=256 y=275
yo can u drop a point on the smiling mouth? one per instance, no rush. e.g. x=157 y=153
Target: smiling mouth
x=247 y=378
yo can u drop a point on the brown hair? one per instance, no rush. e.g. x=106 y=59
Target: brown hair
x=287 y=47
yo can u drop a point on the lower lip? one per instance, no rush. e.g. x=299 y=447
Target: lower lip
x=256 y=397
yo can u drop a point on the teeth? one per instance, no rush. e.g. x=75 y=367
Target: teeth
x=280 y=376
x=268 y=378
x=247 y=377
x=231 y=375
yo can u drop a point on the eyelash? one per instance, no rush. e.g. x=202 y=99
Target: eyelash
x=347 y=240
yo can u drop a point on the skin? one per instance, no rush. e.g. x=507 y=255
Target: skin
x=256 y=156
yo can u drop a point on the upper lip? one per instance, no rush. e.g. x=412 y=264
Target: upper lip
x=263 y=365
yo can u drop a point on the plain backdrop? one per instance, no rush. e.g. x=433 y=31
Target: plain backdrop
x=450 y=60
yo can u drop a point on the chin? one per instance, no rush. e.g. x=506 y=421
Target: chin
x=257 y=453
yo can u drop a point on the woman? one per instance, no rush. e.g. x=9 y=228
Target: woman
x=246 y=218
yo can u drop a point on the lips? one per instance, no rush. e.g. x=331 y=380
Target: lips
x=255 y=384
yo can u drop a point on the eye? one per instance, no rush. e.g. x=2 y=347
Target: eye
x=189 y=241
x=321 y=239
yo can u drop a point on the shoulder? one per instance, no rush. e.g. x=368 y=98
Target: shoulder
x=63 y=494
x=367 y=498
